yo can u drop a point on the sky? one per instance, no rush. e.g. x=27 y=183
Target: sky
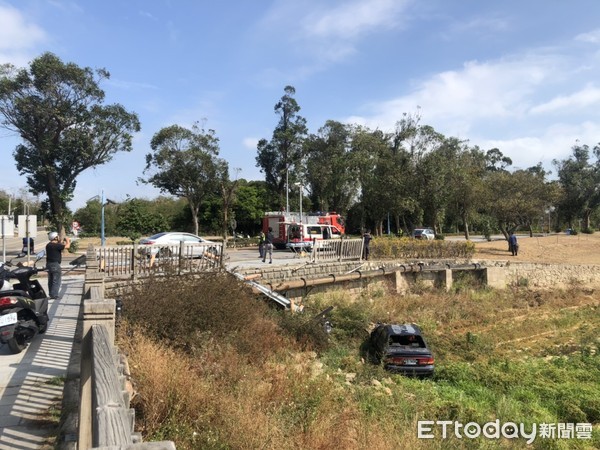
x=520 y=76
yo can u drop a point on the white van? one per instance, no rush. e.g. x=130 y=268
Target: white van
x=302 y=236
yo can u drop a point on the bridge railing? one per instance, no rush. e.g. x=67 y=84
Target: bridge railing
x=143 y=260
x=336 y=250
x=105 y=419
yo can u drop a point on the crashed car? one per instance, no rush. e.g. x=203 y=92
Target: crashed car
x=401 y=348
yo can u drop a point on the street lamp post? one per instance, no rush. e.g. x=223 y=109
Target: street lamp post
x=103 y=202
x=300 y=186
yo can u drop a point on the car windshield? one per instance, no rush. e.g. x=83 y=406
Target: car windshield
x=407 y=340
x=418 y=232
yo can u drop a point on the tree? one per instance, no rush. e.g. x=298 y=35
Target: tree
x=466 y=185
x=580 y=179
x=252 y=202
x=57 y=110
x=516 y=199
x=329 y=179
x=136 y=218
x=184 y=163
x=366 y=148
x=280 y=158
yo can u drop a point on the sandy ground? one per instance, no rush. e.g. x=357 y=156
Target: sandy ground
x=554 y=248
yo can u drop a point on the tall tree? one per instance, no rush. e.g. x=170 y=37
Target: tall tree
x=367 y=148
x=580 y=179
x=184 y=163
x=280 y=158
x=466 y=185
x=331 y=183
x=516 y=199
x=57 y=110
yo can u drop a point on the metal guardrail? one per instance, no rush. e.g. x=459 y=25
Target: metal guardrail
x=336 y=250
x=143 y=260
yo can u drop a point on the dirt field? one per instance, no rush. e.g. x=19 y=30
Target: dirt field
x=555 y=248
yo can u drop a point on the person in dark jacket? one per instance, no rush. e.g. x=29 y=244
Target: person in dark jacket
x=366 y=242
x=54 y=250
x=28 y=242
x=268 y=250
x=513 y=245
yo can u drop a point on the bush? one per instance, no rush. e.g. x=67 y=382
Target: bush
x=408 y=248
x=74 y=247
x=189 y=312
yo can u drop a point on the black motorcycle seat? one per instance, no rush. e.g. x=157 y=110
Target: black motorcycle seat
x=14 y=293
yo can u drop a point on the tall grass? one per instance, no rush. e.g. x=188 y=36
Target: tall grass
x=217 y=369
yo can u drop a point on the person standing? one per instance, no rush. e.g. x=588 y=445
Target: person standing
x=261 y=244
x=366 y=242
x=54 y=250
x=513 y=245
x=268 y=246
x=28 y=242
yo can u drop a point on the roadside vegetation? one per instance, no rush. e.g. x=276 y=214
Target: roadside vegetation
x=215 y=368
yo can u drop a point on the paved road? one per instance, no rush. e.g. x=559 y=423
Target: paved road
x=248 y=257
x=31 y=382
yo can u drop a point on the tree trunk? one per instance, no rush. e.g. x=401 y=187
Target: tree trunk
x=194 y=210
x=466 y=223
x=586 y=219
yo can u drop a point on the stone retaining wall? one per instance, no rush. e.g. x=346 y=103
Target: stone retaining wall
x=548 y=276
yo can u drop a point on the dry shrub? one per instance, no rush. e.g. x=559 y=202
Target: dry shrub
x=191 y=312
x=220 y=400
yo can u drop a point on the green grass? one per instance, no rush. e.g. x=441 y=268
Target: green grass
x=251 y=377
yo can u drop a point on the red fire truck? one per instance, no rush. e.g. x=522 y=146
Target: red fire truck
x=291 y=228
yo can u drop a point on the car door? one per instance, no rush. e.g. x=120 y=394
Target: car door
x=192 y=245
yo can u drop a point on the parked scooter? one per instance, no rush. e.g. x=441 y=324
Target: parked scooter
x=23 y=306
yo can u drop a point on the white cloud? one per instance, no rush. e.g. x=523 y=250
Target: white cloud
x=18 y=36
x=586 y=97
x=458 y=99
x=555 y=142
x=328 y=34
x=592 y=37
x=349 y=20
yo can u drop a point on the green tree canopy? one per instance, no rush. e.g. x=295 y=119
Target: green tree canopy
x=280 y=159
x=184 y=163
x=57 y=109
x=328 y=175
x=580 y=180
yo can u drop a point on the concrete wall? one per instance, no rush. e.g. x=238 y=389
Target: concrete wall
x=399 y=276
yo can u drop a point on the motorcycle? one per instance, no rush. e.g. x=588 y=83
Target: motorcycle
x=23 y=305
